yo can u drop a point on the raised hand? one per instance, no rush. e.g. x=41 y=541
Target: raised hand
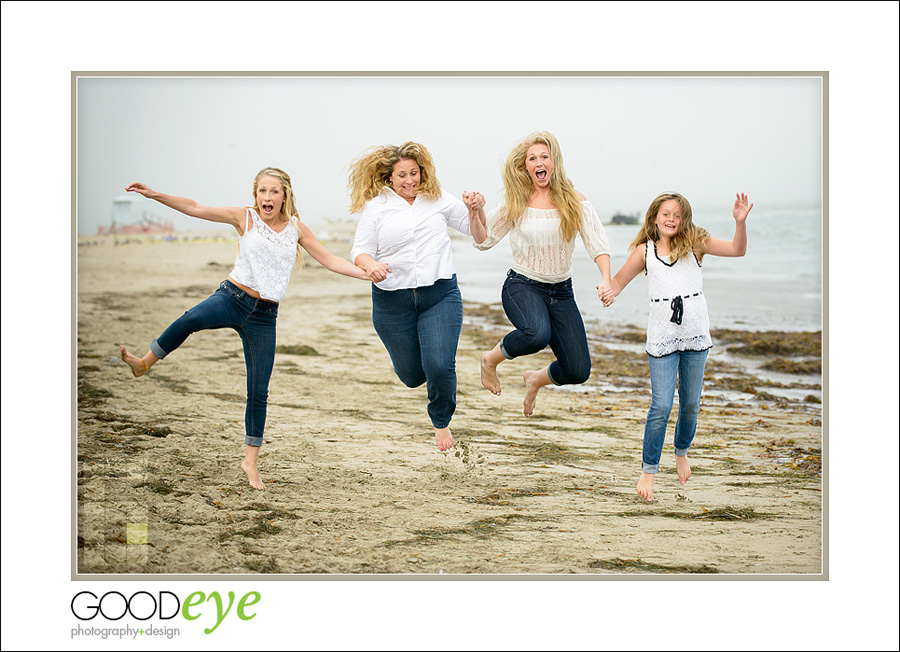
x=473 y=200
x=140 y=188
x=741 y=209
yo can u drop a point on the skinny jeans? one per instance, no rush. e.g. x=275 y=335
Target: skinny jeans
x=254 y=320
x=545 y=314
x=420 y=329
x=683 y=369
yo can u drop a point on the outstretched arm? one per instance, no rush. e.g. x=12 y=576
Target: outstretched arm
x=631 y=268
x=327 y=259
x=738 y=245
x=474 y=201
x=226 y=215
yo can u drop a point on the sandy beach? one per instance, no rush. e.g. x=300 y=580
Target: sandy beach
x=354 y=482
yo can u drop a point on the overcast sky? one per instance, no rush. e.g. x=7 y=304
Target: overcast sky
x=624 y=139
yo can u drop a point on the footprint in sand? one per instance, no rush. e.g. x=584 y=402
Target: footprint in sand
x=471 y=459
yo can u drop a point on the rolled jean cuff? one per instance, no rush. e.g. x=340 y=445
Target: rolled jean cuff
x=504 y=351
x=158 y=350
x=550 y=376
x=681 y=452
x=253 y=441
x=649 y=468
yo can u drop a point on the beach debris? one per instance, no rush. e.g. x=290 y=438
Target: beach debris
x=768 y=343
x=296 y=349
x=640 y=565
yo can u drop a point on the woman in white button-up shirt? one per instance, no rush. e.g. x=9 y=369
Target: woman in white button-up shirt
x=403 y=245
x=542 y=213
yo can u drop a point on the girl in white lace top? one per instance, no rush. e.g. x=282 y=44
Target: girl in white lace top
x=542 y=213
x=670 y=248
x=270 y=235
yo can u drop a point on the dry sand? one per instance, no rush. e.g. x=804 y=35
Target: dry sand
x=354 y=482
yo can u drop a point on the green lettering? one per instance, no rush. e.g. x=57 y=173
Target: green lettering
x=220 y=616
x=244 y=603
x=190 y=602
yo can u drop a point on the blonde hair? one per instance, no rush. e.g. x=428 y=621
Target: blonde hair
x=288 y=208
x=371 y=172
x=519 y=186
x=688 y=237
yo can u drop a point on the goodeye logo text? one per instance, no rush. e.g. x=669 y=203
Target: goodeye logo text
x=165 y=605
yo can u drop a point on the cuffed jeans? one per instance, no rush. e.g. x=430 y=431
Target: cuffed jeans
x=420 y=329
x=254 y=320
x=545 y=314
x=684 y=368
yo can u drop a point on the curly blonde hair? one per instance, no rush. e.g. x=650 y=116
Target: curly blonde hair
x=288 y=208
x=519 y=186
x=371 y=172
x=688 y=237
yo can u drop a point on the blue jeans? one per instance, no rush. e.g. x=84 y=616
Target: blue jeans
x=687 y=367
x=420 y=329
x=545 y=314
x=254 y=320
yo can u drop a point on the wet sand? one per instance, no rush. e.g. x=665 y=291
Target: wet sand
x=354 y=482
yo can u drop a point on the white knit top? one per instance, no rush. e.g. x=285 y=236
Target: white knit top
x=538 y=249
x=265 y=258
x=675 y=288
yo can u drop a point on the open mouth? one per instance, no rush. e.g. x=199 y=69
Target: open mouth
x=268 y=209
x=541 y=175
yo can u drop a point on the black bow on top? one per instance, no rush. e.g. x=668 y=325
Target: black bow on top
x=677 y=310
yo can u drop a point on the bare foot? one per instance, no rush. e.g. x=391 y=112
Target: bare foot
x=684 y=468
x=489 y=377
x=645 y=486
x=138 y=366
x=443 y=439
x=532 y=386
x=249 y=467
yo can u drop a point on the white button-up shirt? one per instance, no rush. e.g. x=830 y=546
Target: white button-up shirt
x=411 y=238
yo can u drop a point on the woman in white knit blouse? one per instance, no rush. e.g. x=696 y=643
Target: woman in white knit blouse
x=543 y=213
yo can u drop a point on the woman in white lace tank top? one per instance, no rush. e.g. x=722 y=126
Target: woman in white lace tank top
x=670 y=248
x=542 y=213
x=270 y=236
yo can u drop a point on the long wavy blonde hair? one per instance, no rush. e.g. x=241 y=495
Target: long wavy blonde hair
x=688 y=237
x=371 y=172
x=288 y=208
x=519 y=186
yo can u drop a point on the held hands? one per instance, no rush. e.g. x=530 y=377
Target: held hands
x=474 y=201
x=377 y=271
x=741 y=209
x=606 y=294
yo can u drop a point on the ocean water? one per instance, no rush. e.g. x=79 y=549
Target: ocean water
x=777 y=285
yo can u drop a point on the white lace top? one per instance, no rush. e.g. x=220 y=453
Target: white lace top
x=676 y=291
x=538 y=249
x=265 y=258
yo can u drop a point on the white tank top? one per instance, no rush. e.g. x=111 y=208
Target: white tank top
x=679 y=319
x=265 y=258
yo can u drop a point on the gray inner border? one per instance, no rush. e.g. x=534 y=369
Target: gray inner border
x=75 y=576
